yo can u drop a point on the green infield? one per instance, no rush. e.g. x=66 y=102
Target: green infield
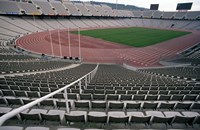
x=135 y=36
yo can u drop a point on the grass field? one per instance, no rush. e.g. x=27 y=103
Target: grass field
x=135 y=36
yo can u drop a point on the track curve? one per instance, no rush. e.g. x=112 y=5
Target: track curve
x=96 y=50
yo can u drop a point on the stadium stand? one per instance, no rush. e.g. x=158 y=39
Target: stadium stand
x=60 y=9
x=29 y=8
x=107 y=96
x=147 y=14
x=9 y=7
x=83 y=9
x=180 y=15
x=72 y=9
x=168 y=15
x=92 y=10
x=45 y=7
x=157 y=14
x=193 y=15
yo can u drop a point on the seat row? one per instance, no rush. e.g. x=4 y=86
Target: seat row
x=104 y=105
x=144 y=87
x=147 y=117
x=98 y=91
x=74 y=96
x=154 y=92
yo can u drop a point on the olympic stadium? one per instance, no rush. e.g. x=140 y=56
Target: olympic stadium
x=76 y=65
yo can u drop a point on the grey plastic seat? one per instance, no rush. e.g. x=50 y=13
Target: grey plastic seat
x=154 y=113
x=151 y=97
x=99 y=91
x=85 y=96
x=99 y=96
x=166 y=120
x=88 y=91
x=110 y=92
x=48 y=102
x=72 y=96
x=82 y=104
x=97 y=117
x=20 y=93
x=117 y=117
x=116 y=105
x=133 y=105
x=11 y=128
x=183 y=105
x=177 y=97
x=164 y=97
x=76 y=116
x=190 y=97
x=32 y=94
x=126 y=97
x=60 y=96
x=169 y=106
x=112 y=97
x=62 y=104
x=196 y=106
x=98 y=104
x=197 y=121
x=53 y=115
x=138 y=97
x=34 y=114
x=14 y=101
x=4 y=110
x=8 y=93
x=150 y=105
x=37 y=128
x=138 y=117
x=183 y=120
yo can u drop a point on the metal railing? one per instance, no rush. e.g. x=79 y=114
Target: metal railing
x=14 y=112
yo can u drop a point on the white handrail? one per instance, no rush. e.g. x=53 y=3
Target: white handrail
x=27 y=106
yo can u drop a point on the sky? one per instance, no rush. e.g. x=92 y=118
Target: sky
x=164 y=5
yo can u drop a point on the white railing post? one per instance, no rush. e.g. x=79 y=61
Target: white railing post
x=86 y=81
x=79 y=84
x=66 y=101
x=88 y=78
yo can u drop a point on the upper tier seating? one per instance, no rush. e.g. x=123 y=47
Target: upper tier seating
x=71 y=8
x=92 y=10
x=147 y=14
x=29 y=8
x=101 y=10
x=60 y=9
x=137 y=14
x=168 y=15
x=193 y=15
x=180 y=15
x=45 y=7
x=108 y=10
x=81 y=7
x=9 y=7
x=157 y=14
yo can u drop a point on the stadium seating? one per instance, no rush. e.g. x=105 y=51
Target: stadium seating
x=9 y=7
x=29 y=8
x=60 y=9
x=116 y=97
x=45 y=7
x=72 y=9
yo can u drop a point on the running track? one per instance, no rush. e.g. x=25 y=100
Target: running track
x=96 y=50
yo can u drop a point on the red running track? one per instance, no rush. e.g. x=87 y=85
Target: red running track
x=96 y=50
